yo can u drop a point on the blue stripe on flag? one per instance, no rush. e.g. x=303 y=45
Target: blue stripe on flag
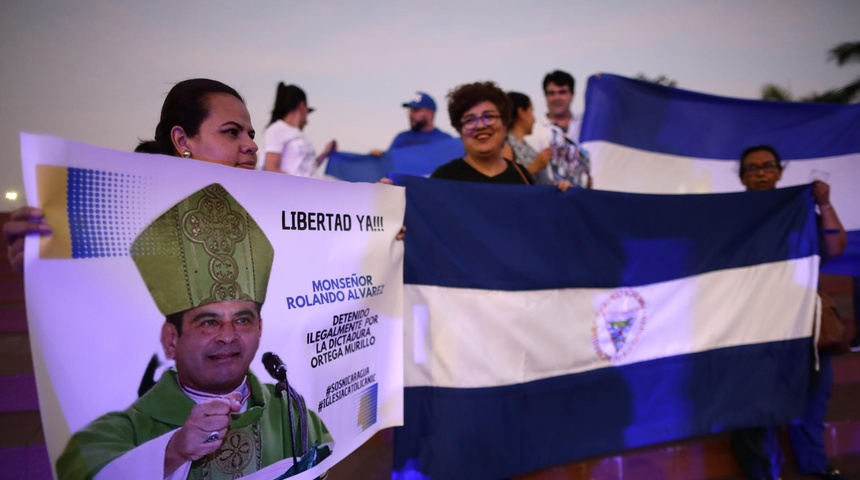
x=416 y=160
x=421 y=160
x=353 y=167
x=509 y=237
x=498 y=432
x=670 y=120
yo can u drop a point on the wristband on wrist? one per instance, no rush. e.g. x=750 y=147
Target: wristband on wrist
x=831 y=231
x=822 y=207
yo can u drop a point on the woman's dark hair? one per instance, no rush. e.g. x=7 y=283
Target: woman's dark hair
x=146 y=146
x=519 y=101
x=464 y=97
x=186 y=106
x=758 y=148
x=287 y=99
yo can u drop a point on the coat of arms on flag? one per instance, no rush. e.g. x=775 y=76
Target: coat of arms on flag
x=618 y=323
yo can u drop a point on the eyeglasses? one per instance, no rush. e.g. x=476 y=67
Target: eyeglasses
x=765 y=167
x=471 y=122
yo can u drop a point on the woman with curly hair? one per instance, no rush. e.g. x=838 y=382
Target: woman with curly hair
x=480 y=112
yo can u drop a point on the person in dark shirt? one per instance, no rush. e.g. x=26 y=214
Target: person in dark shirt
x=757 y=449
x=480 y=112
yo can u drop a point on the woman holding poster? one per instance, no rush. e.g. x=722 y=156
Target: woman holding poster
x=201 y=119
x=204 y=120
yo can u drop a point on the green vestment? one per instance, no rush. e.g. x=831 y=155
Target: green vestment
x=255 y=438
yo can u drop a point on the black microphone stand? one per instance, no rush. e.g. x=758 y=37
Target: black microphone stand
x=282 y=388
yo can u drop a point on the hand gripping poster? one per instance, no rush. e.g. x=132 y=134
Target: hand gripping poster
x=191 y=320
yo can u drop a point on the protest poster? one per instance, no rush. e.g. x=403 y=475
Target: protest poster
x=332 y=308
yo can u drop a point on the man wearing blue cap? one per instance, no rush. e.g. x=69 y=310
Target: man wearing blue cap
x=422 y=111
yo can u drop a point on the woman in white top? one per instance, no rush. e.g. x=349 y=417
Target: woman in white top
x=287 y=148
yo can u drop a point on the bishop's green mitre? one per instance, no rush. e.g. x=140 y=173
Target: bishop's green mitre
x=204 y=249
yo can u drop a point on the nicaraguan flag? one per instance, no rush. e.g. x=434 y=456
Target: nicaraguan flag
x=544 y=327
x=648 y=138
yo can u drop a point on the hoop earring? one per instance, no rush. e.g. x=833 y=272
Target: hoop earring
x=186 y=154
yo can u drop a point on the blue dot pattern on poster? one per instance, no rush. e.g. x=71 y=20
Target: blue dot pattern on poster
x=105 y=211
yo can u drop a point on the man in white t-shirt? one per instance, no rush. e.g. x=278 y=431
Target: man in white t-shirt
x=287 y=148
x=560 y=130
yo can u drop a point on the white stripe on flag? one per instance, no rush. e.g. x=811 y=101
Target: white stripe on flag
x=483 y=338
x=624 y=169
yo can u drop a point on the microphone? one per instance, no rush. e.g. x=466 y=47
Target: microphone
x=275 y=366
